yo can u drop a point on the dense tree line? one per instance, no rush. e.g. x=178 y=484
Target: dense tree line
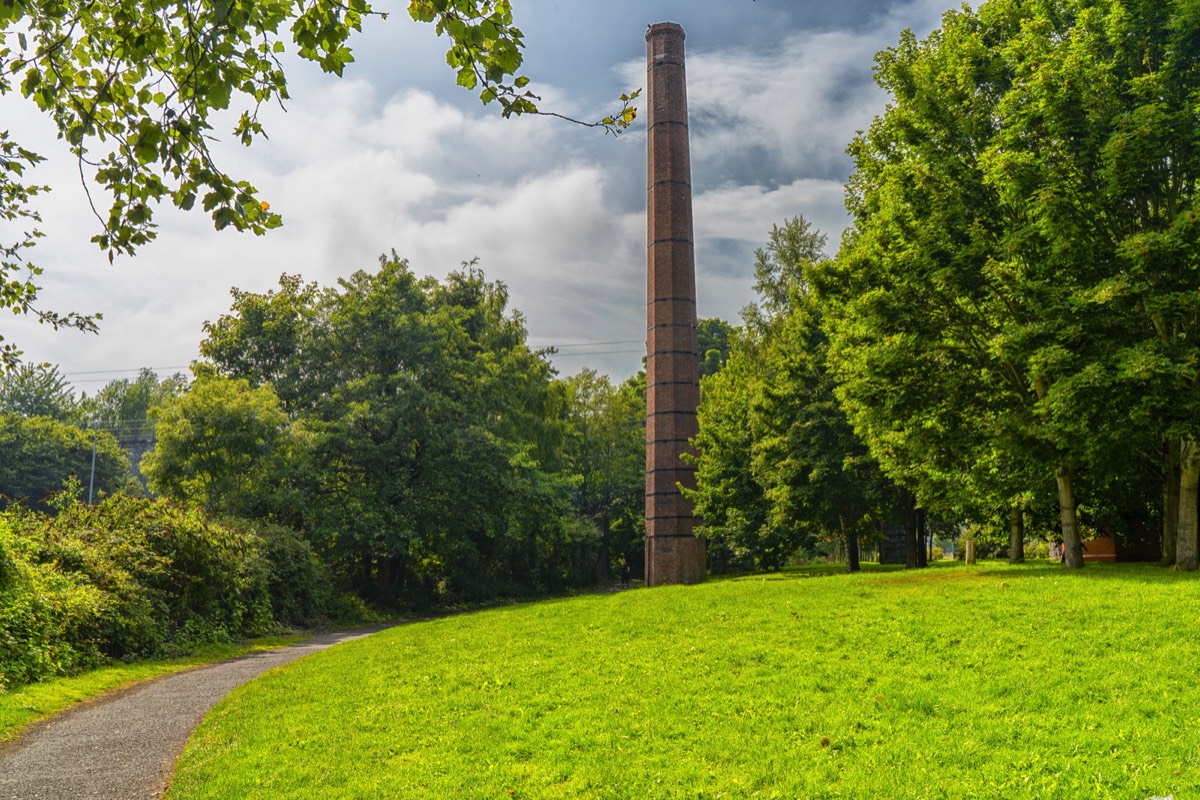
x=404 y=425
x=391 y=438
x=779 y=467
x=400 y=424
x=48 y=435
x=1016 y=297
x=1009 y=326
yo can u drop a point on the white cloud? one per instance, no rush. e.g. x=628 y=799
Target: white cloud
x=554 y=211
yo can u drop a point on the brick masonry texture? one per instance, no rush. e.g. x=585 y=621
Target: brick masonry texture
x=673 y=553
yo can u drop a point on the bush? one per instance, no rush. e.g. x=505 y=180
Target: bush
x=1039 y=549
x=299 y=585
x=49 y=620
x=127 y=578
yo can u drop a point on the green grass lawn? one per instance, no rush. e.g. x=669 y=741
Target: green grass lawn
x=27 y=704
x=950 y=682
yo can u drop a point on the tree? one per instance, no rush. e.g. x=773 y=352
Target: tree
x=134 y=90
x=38 y=390
x=123 y=406
x=1018 y=289
x=40 y=456
x=220 y=445
x=779 y=466
x=958 y=338
x=731 y=503
x=1099 y=159
x=606 y=453
x=432 y=465
x=780 y=279
x=714 y=343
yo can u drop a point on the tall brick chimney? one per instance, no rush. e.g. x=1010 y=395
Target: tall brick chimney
x=673 y=553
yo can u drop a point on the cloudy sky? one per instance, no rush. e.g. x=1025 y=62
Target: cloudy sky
x=395 y=157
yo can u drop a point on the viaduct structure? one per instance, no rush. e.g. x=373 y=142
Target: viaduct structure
x=673 y=552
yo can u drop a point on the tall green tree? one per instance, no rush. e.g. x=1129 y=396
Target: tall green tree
x=40 y=456
x=967 y=353
x=731 y=503
x=606 y=459
x=1099 y=161
x=433 y=465
x=779 y=465
x=220 y=445
x=38 y=390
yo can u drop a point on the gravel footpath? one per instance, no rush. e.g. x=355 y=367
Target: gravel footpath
x=123 y=746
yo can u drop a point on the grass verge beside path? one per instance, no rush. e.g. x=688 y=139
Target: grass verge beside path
x=25 y=705
x=994 y=681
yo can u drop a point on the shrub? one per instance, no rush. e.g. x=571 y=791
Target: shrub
x=299 y=585
x=1040 y=549
x=49 y=620
x=127 y=578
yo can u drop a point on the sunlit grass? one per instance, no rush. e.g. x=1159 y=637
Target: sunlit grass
x=28 y=704
x=951 y=682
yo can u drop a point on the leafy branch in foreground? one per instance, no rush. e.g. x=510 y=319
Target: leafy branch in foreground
x=135 y=89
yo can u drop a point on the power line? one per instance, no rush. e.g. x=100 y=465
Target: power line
x=589 y=344
x=118 y=371
x=596 y=353
x=557 y=347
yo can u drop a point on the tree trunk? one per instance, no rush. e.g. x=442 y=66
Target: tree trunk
x=1171 y=483
x=969 y=555
x=851 y=537
x=1189 y=487
x=383 y=578
x=604 y=556
x=1016 y=536
x=1072 y=545
x=922 y=553
x=911 y=559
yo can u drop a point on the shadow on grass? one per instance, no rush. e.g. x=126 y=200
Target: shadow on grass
x=1138 y=572
x=1144 y=572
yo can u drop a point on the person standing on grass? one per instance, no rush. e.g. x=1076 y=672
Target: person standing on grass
x=624 y=574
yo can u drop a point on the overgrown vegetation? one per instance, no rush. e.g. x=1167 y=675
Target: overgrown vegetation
x=392 y=440
x=133 y=578
x=405 y=428
x=880 y=684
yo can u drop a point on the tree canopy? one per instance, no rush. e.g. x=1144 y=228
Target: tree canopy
x=779 y=467
x=38 y=390
x=404 y=425
x=40 y=456
x=1014 y=302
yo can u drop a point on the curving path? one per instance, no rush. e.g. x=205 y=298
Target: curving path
x=123 y=746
